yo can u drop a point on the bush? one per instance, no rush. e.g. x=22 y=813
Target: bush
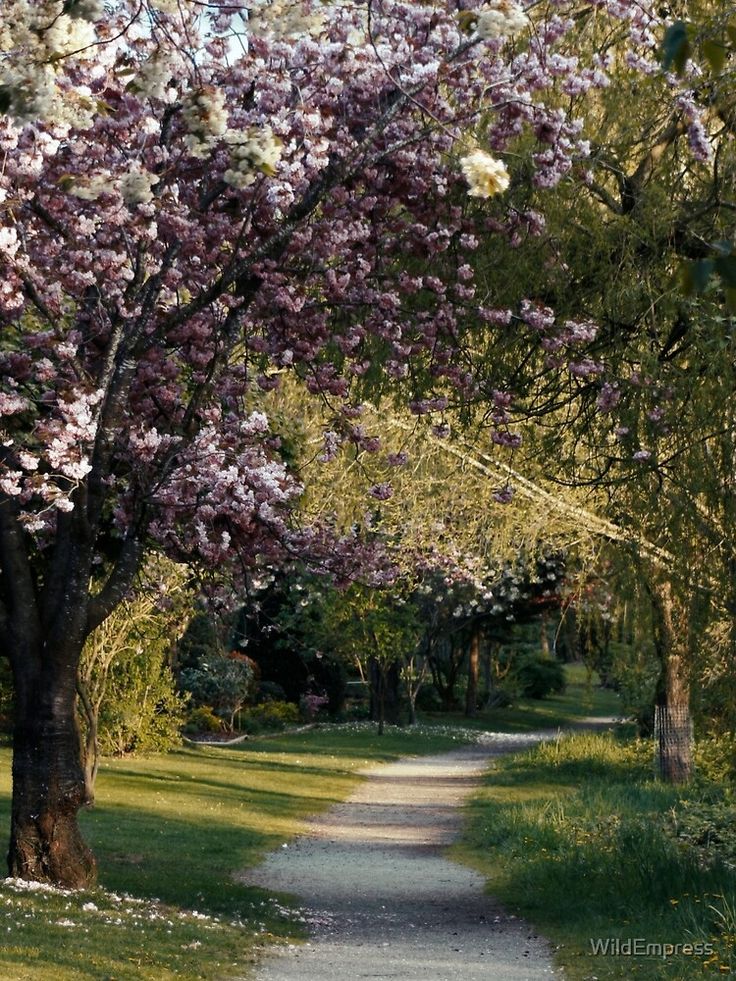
x=539 y=676
x=715 y=757
x=142 y=711
x=269 y=715
x=224 y=683
x=203 y=719
x=310 y=705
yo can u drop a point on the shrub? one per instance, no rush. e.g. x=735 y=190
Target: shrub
x=715 y=757
x=539 y=676
x=310 y=705
x=203 y=719
x=142 y=713
x=269 y=715
x=222 y=682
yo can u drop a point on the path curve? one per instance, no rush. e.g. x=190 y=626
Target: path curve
x=381 y=898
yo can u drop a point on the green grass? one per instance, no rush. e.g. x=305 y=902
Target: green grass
x=572 y=835
x=174 y=831
x=582 y=698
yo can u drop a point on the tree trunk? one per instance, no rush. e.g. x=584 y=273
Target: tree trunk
x=673 y=725
x=48 y=778
x=487 y=676
x=471 y=692
x=90 y=740
x=385 y=692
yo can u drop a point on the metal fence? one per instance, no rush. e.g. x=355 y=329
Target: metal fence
x=673 y=741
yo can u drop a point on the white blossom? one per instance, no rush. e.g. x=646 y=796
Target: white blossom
x=284 y=19
x=136 y=185
x=205 y=116
x=503 y=18
x=68 y=35
x=91 y=187
x=256 y=151
x=485 y=175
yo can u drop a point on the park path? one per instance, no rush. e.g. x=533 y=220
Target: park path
x=380 y=896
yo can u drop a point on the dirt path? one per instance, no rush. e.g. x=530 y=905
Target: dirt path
x=381 y=898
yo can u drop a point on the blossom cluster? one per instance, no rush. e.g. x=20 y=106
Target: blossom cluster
x=196 y=202
x=503 y=18
x=485 y=175
x=34 y=39
x=256 y=151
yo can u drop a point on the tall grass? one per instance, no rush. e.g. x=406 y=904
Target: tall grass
x=573 y=835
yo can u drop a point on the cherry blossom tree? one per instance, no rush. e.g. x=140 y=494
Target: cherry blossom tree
x=197 y=197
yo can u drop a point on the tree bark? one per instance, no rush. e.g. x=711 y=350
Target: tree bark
x=471 y=692
x=90 y=746
x=673 y=725
x=385 y=693
x=487 y=676
x=48 y=779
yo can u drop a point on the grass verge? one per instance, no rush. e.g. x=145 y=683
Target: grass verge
x=573 y=835
x=169 y=833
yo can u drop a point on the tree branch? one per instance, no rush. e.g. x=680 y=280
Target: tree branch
x=118 y=583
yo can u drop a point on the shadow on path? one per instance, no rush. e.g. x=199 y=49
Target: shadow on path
x=383 y=901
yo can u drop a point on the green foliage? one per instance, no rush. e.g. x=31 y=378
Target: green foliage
x=142 y=712
x=676 y=47
x=578 y=836
x=715 y=758
x=708 y=827
x=225 y=683
x=539 y=676
x=362 y=623
x=129 y=701
x=203 y=719
x=270 y=715
x=200 y=640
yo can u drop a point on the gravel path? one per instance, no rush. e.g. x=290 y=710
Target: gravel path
x=381 y=898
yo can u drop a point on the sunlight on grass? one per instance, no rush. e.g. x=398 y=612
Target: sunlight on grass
x=170 y=832
x=572 y=836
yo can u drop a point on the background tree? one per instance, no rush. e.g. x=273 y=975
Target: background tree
x=127 y=697
x=641 y=281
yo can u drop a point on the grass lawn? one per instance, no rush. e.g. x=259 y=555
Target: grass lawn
x=580 y=700
x=170 y=832
x=571 y=835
